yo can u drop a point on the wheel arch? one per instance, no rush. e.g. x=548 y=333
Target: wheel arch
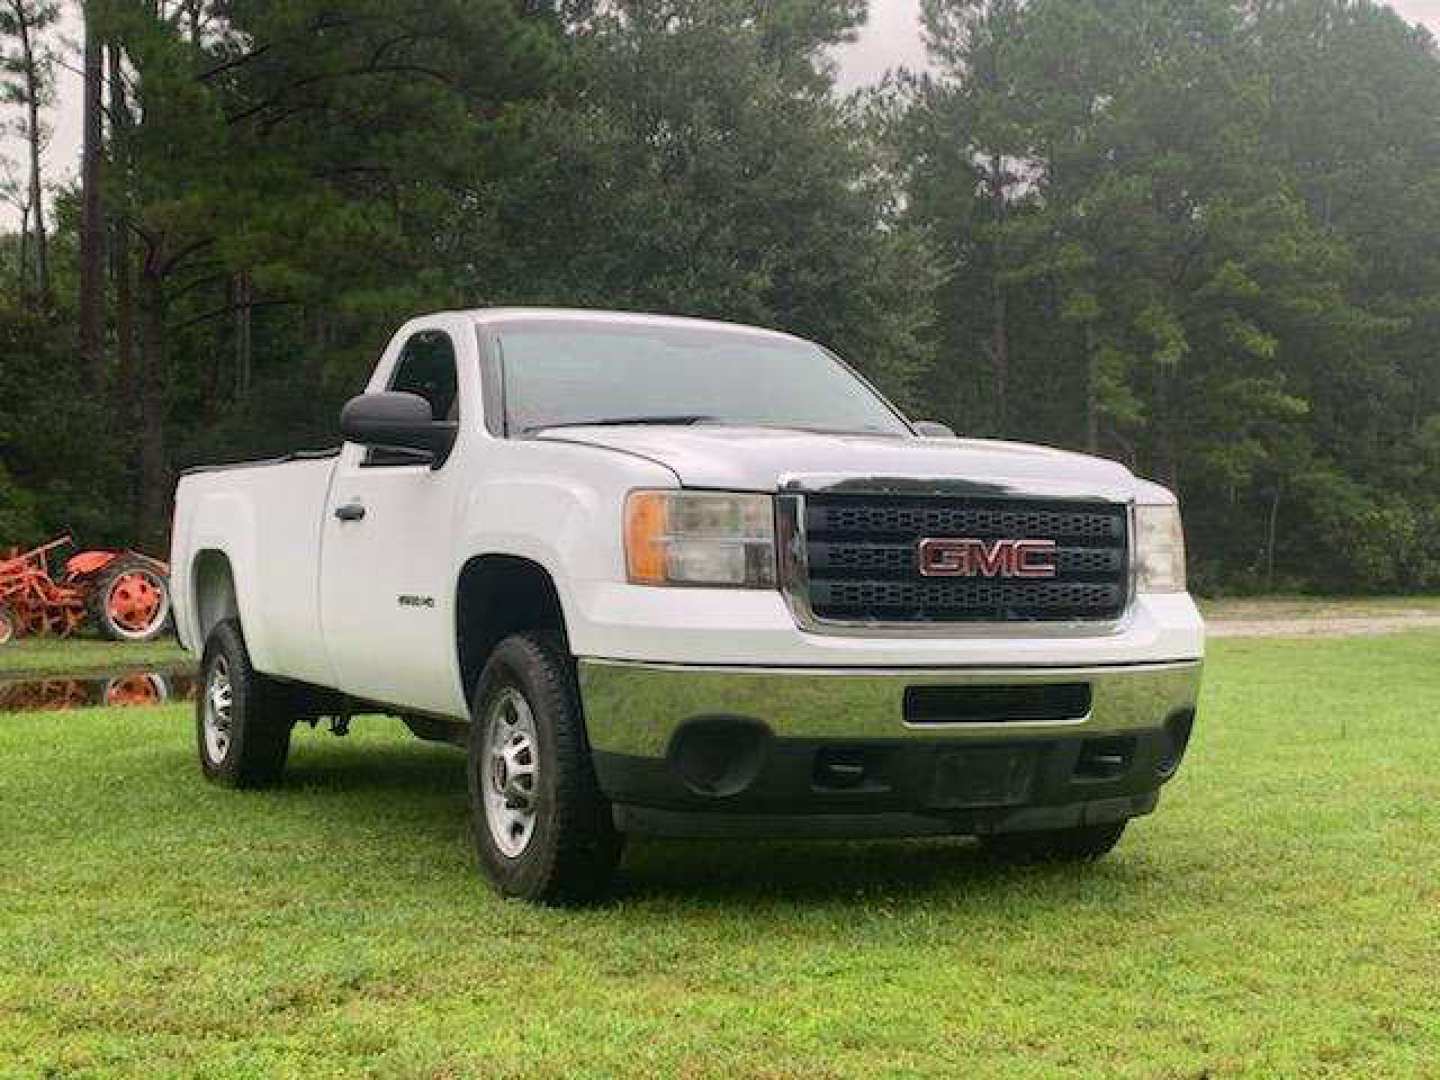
x=213 y=596
x=496 y=595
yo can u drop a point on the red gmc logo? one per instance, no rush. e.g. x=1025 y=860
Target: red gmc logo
x=987 y=558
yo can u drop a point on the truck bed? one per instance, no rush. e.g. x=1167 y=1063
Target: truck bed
x=267 y=517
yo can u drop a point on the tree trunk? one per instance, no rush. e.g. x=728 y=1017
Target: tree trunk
x=1271 y=529
x=1163 y=427
x=123 y=273
x=1092 y=392
x=192 y=13
x=37 y=188
x=318 y=329
x=244 y=337
x=999 y=332
x=92 y=209
x=22 y=275
x=122 y=269
x=153 y=479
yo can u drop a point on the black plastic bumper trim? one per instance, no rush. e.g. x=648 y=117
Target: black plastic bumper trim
x=683 y=824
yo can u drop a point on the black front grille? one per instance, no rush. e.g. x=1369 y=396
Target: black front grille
x=862 y=553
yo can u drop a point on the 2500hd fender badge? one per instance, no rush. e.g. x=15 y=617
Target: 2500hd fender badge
x=968 y=557
x=409 y=600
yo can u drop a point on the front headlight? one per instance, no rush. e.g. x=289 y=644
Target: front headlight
x=1159 y=549
x=700 y=538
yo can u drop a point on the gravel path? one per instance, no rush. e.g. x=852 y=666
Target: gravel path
x=1323 y=625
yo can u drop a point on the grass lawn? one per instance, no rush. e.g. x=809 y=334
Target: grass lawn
x=70 y=656
x=1280 y=915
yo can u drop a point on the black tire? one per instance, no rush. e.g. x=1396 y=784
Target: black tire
x=257 y=727
x=9 y=624
x=1083 y=844
x=98 y=602
x=568 y=851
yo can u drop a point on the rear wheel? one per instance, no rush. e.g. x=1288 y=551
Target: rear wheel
x=242 y=726
x=131 y=600
x=543 y=831
x=1084 y=844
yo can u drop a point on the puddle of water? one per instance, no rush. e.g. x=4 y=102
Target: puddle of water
x=140 y=686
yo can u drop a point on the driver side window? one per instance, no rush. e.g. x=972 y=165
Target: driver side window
x=426 y=367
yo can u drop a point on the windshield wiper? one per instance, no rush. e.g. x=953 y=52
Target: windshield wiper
x=816 y=429
x=617 y=421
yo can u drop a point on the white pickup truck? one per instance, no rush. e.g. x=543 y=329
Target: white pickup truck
x=663 y=576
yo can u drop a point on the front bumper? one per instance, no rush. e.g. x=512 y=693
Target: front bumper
x=715 y=750
x=755 y=628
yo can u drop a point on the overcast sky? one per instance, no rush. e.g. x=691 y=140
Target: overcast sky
x=890 y=39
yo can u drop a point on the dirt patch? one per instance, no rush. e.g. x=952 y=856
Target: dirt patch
x=1323 y=625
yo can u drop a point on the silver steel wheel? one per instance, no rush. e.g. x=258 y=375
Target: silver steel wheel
x=219 y=697
x=511 y=772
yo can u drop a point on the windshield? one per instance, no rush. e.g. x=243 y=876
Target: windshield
x=570 y=373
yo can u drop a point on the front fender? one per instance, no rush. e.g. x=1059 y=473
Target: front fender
x=561 y=507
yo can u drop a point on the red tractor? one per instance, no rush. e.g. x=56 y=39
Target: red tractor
x=126 y=594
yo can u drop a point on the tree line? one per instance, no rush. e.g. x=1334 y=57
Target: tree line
x=1198 y=236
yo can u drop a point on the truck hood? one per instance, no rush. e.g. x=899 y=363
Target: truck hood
x=765 y=459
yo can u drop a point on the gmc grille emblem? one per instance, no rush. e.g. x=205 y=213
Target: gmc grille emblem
x=968 y=557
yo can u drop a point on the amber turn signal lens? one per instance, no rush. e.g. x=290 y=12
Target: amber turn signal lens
x=717 y=539
x=646 y=519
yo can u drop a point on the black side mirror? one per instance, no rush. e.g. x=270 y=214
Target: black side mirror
x=397 y=420
x=933 y=429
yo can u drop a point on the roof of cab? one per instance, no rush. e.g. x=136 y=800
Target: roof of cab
x=510 y=314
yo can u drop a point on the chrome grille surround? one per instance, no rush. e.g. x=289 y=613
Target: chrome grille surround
x=796 y=551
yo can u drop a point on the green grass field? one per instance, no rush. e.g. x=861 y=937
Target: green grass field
x=1279 y=916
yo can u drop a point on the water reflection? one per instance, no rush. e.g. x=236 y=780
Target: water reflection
x=137 y=687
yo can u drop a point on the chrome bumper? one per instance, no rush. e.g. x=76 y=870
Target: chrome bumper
x=635 y=708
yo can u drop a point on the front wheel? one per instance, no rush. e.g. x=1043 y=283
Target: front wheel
x=1084 y=844
x=241 y=726
x=543 y=831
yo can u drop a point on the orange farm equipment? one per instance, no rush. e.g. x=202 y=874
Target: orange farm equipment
x=126 y=594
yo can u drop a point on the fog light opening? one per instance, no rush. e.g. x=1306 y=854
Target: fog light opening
x=1177 y=739
x=718 y=756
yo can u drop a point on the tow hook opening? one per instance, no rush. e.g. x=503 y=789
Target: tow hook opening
x=850 y=768
x=1105 y=759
